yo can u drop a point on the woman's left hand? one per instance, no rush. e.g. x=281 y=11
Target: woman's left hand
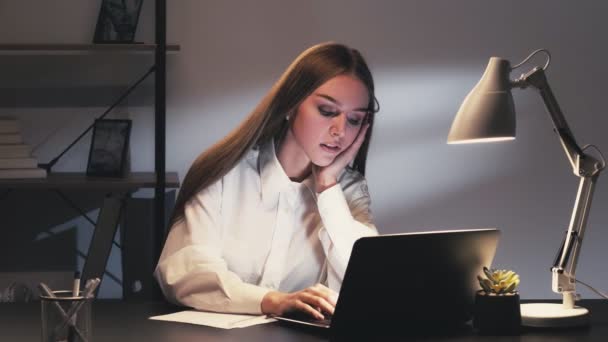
x=327 y=176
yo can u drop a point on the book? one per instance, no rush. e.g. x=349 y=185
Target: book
x=18 y=163
x=9 y=125
x=15 y=151
x=22 y=173
x=10 y=138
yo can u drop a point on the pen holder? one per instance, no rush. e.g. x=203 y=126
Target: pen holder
x=66 y=317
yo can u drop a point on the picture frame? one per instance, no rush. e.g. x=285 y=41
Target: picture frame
x=109 y=148
x=117 y=21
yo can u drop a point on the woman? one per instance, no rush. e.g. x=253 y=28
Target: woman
x=275 y=207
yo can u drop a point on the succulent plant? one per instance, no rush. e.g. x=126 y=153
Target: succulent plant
x=498 y=282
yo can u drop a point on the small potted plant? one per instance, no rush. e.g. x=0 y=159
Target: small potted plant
x=497 y=303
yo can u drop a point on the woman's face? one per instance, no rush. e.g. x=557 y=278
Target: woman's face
x=328 y=120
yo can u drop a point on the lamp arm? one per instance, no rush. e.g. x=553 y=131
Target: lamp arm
x=537 y=78
x=587 y=168
x=564 y=267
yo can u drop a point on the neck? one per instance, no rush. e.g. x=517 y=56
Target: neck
x=293 y=159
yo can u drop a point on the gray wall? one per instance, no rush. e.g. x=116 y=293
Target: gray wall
x=425 y=56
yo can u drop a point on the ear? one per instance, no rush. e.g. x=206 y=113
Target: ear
x=290 y=115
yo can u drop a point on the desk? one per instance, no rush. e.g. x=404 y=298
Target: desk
x=116 y=189
x=115 y=321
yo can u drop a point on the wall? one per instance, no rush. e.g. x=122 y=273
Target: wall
x=425 y=56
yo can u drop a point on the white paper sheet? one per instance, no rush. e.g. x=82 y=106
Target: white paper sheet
x=213 y=319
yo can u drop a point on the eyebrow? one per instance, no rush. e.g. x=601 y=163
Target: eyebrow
x=327 y=97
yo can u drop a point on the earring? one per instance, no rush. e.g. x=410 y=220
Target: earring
x=287 y=117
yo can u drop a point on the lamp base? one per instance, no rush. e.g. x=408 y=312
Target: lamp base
x=549 y=315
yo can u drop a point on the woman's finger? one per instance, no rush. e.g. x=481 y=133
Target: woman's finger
x=361 y=136
x=303 y=306
x=322 y=287
x=317 y=301
x=352 y=150
x=324 y=292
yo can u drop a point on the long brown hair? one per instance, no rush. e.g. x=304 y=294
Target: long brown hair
x=306 y=73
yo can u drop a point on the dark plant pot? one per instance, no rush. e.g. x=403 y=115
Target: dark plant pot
x=497 y=315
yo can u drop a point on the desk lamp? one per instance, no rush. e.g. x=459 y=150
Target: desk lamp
x=488 y=114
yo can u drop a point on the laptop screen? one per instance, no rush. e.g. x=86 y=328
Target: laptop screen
x=413 y=280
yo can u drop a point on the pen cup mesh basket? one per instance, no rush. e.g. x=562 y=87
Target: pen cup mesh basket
x=66 y=317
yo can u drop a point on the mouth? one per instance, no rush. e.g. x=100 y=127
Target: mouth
x=331 y=148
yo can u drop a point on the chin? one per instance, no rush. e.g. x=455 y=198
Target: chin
x=322 y=162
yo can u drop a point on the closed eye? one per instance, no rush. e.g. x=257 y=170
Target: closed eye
x=328 y=111
x=354 y=122
x=352 y=119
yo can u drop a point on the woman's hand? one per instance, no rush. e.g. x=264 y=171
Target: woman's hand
x=327 y=176
x=313 y=300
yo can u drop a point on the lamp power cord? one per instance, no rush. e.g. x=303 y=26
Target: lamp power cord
x=598 y=292
x=545 y=51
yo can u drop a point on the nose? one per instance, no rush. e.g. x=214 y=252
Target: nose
x=338 y=125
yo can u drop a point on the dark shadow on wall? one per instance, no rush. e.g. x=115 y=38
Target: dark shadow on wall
x=30 y=240
x=39 y=241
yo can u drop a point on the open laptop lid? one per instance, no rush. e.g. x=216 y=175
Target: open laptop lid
x=412 y=281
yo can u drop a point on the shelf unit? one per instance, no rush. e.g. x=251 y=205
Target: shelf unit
x=160 y=49
x=80 y=181
x=137 y=248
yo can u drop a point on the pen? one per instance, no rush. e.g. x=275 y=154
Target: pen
x=75 y=292
x=89 y=291
x=45 y=290
x=76 y=285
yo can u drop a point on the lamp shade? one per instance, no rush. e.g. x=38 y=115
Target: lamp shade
x=487 y=113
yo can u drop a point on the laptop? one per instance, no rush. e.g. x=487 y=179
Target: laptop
x=412 y=282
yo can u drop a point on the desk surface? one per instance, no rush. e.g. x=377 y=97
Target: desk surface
x=115 y=321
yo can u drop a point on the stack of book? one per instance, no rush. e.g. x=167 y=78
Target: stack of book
x=16 y=159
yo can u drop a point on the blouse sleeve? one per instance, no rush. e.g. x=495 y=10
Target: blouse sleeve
x=191 y=270
x=344 y=222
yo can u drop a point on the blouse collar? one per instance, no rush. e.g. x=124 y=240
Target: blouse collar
x=275 y=182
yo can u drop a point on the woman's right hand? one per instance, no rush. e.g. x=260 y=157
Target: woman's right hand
x=313 y=300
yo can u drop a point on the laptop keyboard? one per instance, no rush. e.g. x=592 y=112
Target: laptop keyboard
x=324 y=321
x=304 y=317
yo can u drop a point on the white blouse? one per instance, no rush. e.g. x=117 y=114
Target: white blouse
x=255 y=230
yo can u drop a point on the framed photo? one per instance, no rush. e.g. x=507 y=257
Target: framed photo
x=109 y=148
x=117 y=21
